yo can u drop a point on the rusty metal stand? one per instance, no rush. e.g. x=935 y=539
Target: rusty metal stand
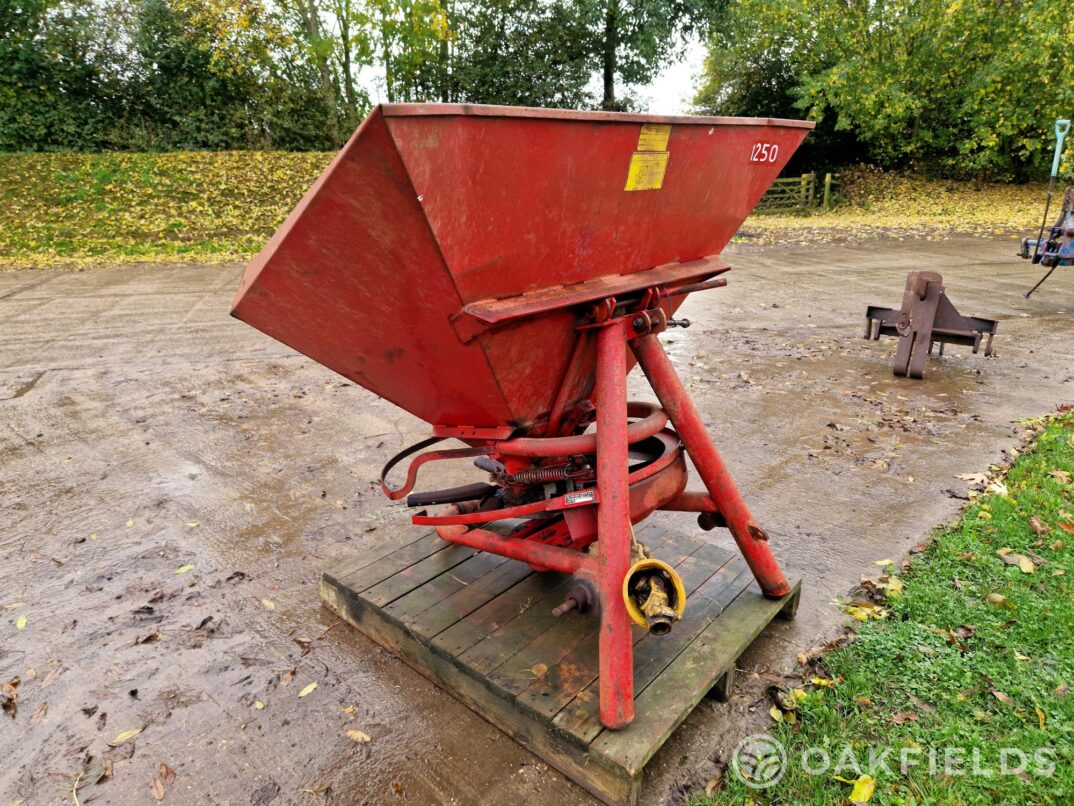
x=927 y=317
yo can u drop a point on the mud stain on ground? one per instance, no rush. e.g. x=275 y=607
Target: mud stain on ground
x=174 y=481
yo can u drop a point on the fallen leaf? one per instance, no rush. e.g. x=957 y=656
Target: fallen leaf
x=823 y=682
x=1060 y=475
x=265 y=794
x=20 y=622
x=713 y=784
x=539 y=669
x=1067 y=527
x=130 y=522
x=182 y=569
x=156 y=789
x=125 y=736
x=1038 y=526
x=167 y=774
x=193 y=524
x=350 y=709
x=863 y=789
x=93 y=773
x=1062 y=690
x=9 y=697
x=358 y=736
x=1040 y=715
x=307 y=690
x=999 y=488
x=39 y=713
x=287 y=677
x=883 y=562
x=268 y=604
x=1026 y=565
x=902 y=717
x=260 y=706
x=999 y=695
x=863 y=701
x=996 y=598
x=776 y=714
x=973 y=478
x=923 y=706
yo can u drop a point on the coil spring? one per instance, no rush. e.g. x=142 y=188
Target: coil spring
x=539 y=475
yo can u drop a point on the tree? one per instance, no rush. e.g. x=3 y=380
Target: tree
x=51 y=90
x=520 y=52
x=412 y=41
x=943 y=85
x=632 y=39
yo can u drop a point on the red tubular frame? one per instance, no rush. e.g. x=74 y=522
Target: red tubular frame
x=540 y=555
x=653 y=419
x=751 y=538
x=614 y=529
x=691 y=501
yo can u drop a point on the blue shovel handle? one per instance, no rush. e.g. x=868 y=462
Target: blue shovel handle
x=1061 y=129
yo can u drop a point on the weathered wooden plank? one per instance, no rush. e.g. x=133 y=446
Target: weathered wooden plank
x=607 y=782
x=365 y=557
x=579 y=668
x=465 y=633
x=389 y=564
x=512 y=638
x=666 y=702
x=463 y=603
x=408 y=606
x=495 y=648
x=417 y=574
x=581 y=717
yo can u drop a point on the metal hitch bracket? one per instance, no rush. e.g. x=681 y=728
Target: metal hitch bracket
x=927 y=317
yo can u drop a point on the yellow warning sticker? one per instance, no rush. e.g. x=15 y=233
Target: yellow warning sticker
x=647 y=170
x=654 y=137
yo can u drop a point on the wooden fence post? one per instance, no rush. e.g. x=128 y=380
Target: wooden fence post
x=827 y=191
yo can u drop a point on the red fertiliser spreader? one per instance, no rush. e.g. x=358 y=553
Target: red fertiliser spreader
x=497 y=272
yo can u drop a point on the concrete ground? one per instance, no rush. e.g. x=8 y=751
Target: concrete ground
x=173 y=481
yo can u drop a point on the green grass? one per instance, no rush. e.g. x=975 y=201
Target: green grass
x=73 y=210
x=952 y=664
x=94 y=209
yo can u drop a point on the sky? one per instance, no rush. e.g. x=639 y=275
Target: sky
x=672 y=91
x=669 y=93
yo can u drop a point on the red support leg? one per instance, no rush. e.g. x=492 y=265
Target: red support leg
x=613 y=530
x=751 y=538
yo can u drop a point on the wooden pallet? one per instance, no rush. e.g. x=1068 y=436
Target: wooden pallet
x=481 y=627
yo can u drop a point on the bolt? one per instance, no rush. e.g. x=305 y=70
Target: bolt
x=565 y=608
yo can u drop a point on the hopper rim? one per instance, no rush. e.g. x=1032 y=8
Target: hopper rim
x=396 y=110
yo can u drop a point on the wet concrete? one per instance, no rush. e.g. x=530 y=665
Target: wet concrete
x=143 y=431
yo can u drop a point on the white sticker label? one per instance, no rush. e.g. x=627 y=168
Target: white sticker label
x=583 y=497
